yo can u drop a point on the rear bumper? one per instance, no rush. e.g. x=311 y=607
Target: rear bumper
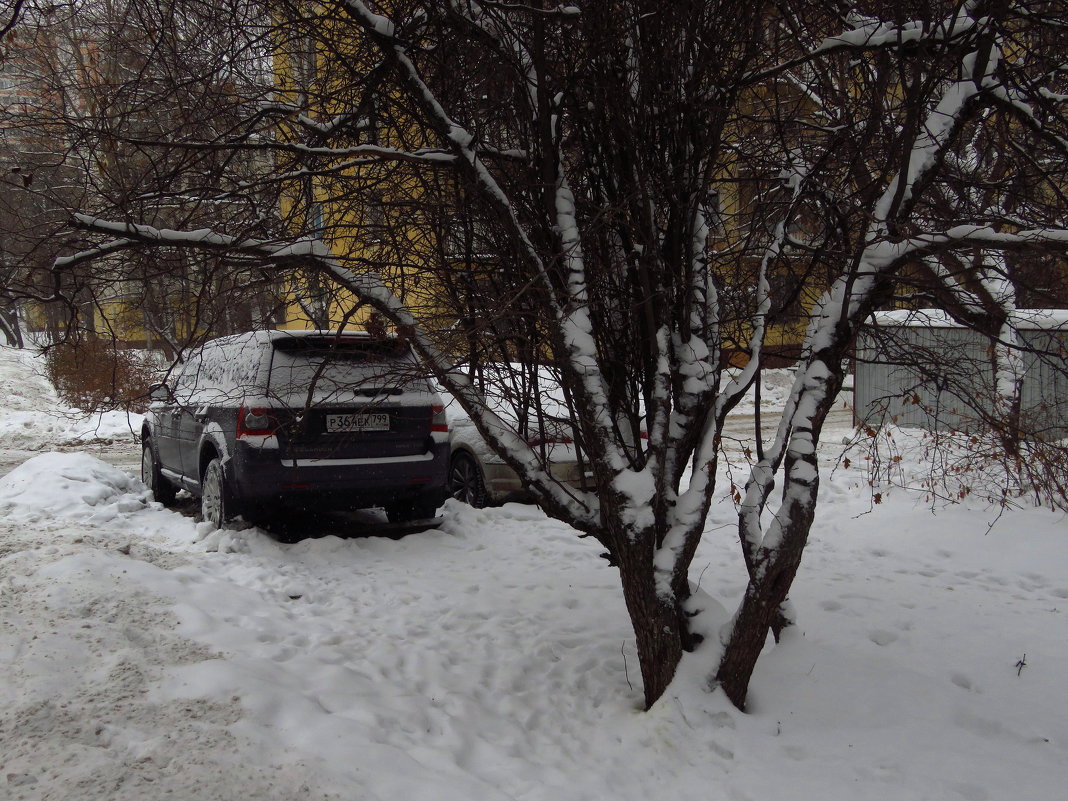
x=259 y=477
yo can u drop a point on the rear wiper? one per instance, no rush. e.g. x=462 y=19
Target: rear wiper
x=372 y=392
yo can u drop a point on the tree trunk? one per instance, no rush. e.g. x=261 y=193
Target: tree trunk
x=760 y=610
x=657 y=623
x=773 y=566
x=9 y=325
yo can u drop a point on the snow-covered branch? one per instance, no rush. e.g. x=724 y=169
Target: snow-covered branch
x=868 y=34
x=570 y=312
x=370 y=289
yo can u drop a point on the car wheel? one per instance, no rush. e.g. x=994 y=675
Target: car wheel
x=465 y=481
x=162 y=490
x=214 y=503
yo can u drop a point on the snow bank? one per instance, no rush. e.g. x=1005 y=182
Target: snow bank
x=71 y=486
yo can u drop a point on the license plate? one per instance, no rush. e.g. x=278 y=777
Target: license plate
x=339 y=423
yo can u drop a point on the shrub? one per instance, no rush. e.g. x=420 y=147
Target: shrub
x=954 y=466
x=93 y=375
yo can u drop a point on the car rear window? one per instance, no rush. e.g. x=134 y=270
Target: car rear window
x=335 y=370
x=220 y=372
x=353 y=351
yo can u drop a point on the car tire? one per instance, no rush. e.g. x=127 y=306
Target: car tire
x=162 y=490
x=215 y=503
x=465 y=481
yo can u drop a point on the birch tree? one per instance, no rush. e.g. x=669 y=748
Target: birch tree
x=595 y=150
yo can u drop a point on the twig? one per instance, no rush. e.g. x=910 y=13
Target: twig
x=625 y=671
x=699 y=578
x=682 y=712
x=1021 y=664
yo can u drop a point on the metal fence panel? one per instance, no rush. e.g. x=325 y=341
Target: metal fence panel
x=942 y=377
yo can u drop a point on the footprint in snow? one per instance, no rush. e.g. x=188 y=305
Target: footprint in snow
x=961 y=681
x=881 y=637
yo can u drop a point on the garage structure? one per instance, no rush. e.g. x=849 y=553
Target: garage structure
x=922 y=369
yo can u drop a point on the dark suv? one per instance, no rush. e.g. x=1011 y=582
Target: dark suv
x=309 y=419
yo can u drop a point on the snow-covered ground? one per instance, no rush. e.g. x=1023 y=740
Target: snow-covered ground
x=145 y=657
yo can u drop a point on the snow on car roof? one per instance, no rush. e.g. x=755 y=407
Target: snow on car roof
x=320 y=332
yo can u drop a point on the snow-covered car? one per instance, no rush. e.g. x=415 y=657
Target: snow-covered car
x=480 y=477
x=307 y=419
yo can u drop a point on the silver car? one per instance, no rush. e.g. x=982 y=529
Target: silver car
x=479 y=477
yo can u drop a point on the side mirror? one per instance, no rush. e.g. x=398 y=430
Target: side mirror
x=159 y=392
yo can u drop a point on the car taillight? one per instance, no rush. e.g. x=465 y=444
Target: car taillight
x=255 y=422
x=438 y=421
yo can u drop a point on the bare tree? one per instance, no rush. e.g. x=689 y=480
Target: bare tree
x=112 y=101
x=9 y=311
x=629 y=198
